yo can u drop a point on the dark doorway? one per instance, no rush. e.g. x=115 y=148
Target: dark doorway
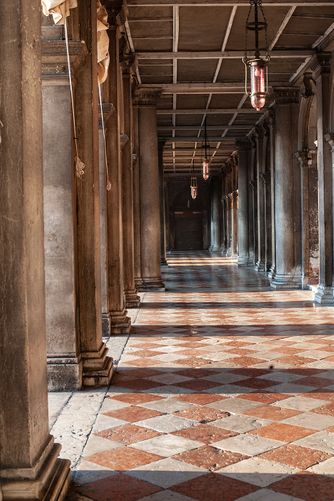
x=188 y=230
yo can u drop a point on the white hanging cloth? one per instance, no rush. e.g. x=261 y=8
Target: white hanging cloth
x=103 y=57
x=59 y=9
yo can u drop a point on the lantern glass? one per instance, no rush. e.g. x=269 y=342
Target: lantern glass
x=205 y=169
x=258 y=83
x=193 y=192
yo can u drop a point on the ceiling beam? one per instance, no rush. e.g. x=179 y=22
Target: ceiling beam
x=212 y=111
x=193 y=139
x=198 y=88
x=228 y=3
x=226 y=54
x=166 y=128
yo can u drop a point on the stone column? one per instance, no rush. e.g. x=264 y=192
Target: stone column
x=131 y=296
x=136 y=197
x=223 y=211
x=163 y=239
x=287 y=192
x=29 y=464
x=253 y=253
x=215 y=216
x=149 y=190
x=234 y=202
x=271 y=124
x=97 y=367
x=64 y=355
x=107 y=109
x=260 y=189
x=324 y=293
x=267 y=199
x=243 y=225
x=119 y=322
x=305 y=160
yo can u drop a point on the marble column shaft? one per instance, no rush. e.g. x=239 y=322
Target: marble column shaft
x=149 y=191
x=260 y=192
x=30 y=468
x=215 y=216
x=163 y=239
x=136 y=198
x=97 y=366
x=131 y=297
x=243 y=211
x=324 y=293
x=287 y=192
x=119 y=322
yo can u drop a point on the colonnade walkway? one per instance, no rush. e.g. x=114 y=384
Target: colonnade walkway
x=224 y=391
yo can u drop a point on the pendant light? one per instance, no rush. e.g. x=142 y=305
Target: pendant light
x=206 y=156
x=257 y=64
x=193 y=182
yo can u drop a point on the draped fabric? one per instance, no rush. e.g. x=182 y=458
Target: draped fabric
x=59 y=9
x=103 y=57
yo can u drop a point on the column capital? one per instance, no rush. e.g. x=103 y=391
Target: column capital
x=116 y=12
x=305 y=157
x=286 y=95
x=146 y=96
x=330 y=140
x=54 y=58
x=321 y=63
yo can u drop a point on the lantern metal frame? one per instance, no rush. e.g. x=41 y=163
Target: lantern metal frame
x=193 y=182
x=257 y=62
x=206 y=163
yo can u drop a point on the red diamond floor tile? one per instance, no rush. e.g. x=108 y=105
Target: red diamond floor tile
x=228 y=350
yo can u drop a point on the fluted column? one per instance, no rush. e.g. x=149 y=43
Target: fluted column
x=131 y=296
x=149 y=190
x=287 y=192
x=324 y=293
x=29 y=464
x=119 y=321
x=243 y=221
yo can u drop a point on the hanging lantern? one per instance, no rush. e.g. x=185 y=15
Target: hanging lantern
x=193 y=182
x=193 y=187
x=256 y=66
x=206 y=173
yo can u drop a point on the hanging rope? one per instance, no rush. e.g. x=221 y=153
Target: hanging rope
x=79 y=165
x=108 y=186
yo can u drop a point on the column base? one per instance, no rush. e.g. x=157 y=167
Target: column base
x=64 y=373
x=152 y=284
x=132 y=300
x=272 y=273
x=97 y=368
x=324 y=295
x=138 y=282
x=163 y=261
x=105 y=324
x=119 y=323
x=243 y=261
x=47 y=480
x=260 y=267
x=285 y=282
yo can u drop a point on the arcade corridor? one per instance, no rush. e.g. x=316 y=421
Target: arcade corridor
x=224 y=391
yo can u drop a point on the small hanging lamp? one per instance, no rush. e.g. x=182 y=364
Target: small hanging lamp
x=257 y=64
x=206 y=156
x=193 y=182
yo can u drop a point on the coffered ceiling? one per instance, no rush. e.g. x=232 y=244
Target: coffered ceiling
x=193 y=51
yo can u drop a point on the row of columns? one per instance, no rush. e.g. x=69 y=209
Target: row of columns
x=73 y=254
x=280 y=210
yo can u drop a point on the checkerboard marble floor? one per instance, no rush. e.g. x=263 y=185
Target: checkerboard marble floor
x=225 y=391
